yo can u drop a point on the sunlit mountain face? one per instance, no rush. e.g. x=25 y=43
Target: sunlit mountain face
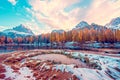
x=114 y=23
x=18 y=31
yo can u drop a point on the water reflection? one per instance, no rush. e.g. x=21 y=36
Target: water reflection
x=10 y=48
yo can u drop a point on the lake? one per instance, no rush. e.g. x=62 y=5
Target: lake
x=11 y=48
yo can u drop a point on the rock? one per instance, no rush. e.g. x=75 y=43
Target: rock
x=86 y=59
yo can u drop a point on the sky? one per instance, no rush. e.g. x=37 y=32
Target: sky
x=43 y=16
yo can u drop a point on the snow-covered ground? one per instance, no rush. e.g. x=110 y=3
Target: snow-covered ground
x=23 y=74
x=41 y=64
x=107 y=68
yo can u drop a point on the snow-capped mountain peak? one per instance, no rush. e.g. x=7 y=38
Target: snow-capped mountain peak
x=18 y=31
x=22 y=28
x=82 y=24
x=114 y=23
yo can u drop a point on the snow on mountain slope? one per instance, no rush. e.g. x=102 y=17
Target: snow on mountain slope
x=58 y=31
x=23 y=28
x=19 y=31
x=114 y=23
x=13 y=31
x=97 y=27
x=82 y=25
x=106 y=68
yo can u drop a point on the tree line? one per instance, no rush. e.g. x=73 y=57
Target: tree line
x=80 y=36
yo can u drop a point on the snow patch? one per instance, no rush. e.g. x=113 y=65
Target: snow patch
x=23 y=74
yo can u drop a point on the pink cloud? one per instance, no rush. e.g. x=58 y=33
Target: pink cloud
x=102 y=11
x=54 y=10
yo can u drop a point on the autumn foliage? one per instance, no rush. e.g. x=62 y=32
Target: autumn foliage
x=81 y=36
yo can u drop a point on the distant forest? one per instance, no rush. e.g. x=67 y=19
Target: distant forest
x=80 y=36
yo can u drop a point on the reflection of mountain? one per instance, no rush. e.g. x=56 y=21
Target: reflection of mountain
x=19 y=31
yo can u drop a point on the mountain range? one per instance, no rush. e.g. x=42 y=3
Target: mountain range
x=23 y=31
x=83 y=25
x=18 y=31
x=113 y=24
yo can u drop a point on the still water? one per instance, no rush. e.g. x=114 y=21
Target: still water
x=11 y=48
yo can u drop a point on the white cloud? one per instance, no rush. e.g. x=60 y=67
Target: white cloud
x=36 y=29
x=13 y=2
x=52 y=13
